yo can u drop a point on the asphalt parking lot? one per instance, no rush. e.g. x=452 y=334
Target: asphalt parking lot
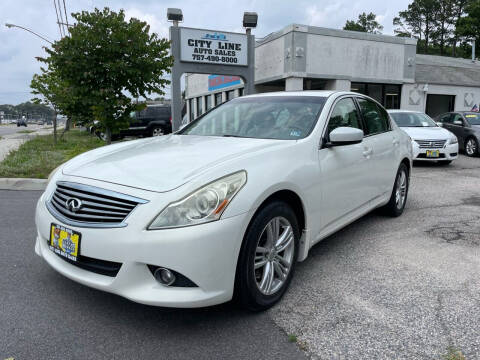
x=382 y=288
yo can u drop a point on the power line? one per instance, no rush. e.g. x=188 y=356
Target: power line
x=61 y=17
x=66 y=17
x=58 y=20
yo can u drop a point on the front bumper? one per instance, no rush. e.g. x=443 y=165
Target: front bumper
x=206 y=254
x=448 y=153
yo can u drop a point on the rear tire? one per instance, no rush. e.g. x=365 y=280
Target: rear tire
x=264 y=269
x=398 y=199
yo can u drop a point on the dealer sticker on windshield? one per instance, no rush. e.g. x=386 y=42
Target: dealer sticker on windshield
x=64 y=242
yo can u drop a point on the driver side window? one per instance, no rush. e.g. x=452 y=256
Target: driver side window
x=344 y=114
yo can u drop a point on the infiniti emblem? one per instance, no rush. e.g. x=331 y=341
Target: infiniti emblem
x=73 y=204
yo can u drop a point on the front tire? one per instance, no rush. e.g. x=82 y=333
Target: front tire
x=268 y=256
x=471 y=147
x=398 y=199
x=157 y=131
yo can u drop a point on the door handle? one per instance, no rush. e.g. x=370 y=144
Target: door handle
x=368 y=152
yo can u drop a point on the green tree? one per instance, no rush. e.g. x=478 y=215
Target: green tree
x=444 y=23
x=106 y=61
x=469 y=26
x=458 y=13
x=365 y=23
x=419 y=21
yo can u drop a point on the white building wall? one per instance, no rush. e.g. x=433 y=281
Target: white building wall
x=269 y=59
x=415 y=98
x=339 y=57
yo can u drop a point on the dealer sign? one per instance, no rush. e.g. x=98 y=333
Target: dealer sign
x=213 y=47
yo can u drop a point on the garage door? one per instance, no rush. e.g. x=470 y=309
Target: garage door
x=439 y=104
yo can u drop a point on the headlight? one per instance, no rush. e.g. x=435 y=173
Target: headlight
x=204 y=205
x=453 y=140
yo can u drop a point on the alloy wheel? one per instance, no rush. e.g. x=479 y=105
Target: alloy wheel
x=471 y=147
x=157 y=132
x=401 y=190
x=274 y=255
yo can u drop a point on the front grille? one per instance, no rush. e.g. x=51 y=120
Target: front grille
x=431 y=144
x=102 y=267
x=98 y=207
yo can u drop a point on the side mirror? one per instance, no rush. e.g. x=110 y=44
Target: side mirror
x=345 y=136
x=458 y=122
x=439 y=123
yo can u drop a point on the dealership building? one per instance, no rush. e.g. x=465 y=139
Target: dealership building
x=387 y=68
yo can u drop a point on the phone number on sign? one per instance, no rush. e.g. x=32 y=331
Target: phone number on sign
x=213 y=58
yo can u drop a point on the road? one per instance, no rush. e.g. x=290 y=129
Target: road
x=13 y=128
x=382 y=288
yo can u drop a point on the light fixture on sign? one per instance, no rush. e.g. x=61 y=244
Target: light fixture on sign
x=250 y=20
x=175 y=15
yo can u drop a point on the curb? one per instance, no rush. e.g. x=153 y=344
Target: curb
x=23 y=184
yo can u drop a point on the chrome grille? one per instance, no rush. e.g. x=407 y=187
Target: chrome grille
x=97 y=207
x=431 y=144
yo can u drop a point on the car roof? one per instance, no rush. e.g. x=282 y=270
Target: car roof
x=391 y=111
x=319 y=93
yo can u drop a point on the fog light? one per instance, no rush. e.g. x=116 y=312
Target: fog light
x=164 y=276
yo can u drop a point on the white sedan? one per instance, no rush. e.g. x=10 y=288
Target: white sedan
x=430 y=142
x=225 y=207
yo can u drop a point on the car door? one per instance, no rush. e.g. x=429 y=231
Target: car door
x=344 y=169
x=457 y=129
x=383 y=147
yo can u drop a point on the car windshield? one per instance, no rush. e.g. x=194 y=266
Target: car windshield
x=410 y=119
x=473 y=119
x=264 y=117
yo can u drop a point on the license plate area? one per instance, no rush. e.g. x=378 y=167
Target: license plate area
x=64 y=242
x=433 y=153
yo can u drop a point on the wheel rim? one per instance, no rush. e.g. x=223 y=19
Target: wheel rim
x=274 y=255
x=157 y=132
x=401 y=189
x=471 y=147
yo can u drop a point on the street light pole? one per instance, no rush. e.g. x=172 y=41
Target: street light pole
x=30 y=31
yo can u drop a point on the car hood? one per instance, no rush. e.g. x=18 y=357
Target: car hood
x=427 y=133
x=162 y=163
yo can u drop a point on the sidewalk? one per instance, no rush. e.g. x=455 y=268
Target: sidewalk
x=13 y=141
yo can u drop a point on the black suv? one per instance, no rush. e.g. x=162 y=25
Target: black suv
x=154 y=120
x=466 y=126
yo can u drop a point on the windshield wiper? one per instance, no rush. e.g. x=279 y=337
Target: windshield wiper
x=231 y=135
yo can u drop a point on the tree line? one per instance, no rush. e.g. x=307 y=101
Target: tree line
x=27 y=109
x=442 y=27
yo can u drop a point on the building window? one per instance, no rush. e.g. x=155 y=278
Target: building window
x=199 y=106
x=386 y=94
x=190 y=104
x=208 y=100
x=218 y=98
x=230 y=94
x=240 y=92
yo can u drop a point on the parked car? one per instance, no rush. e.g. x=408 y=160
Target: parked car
x=466 y=126
x=226 y=206
x=430 y=142
x=154 y=120
x=21 y=122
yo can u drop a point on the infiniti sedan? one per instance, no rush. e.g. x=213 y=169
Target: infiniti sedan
x=227 y=206
x=430 y=142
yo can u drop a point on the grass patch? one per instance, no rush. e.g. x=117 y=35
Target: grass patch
x=292 y=338
x=37 y=157
x=453 y=354
x=25 y=131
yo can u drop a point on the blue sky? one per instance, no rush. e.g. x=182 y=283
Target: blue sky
x=19 y=48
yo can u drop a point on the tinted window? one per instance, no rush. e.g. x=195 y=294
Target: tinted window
x=265 y=117
x=375 y=121
x=218 y=99
x=199 y=106
x=209 y=102
x=154 y=112
x=446 y=118
x=344 y=114
x=457 y=117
